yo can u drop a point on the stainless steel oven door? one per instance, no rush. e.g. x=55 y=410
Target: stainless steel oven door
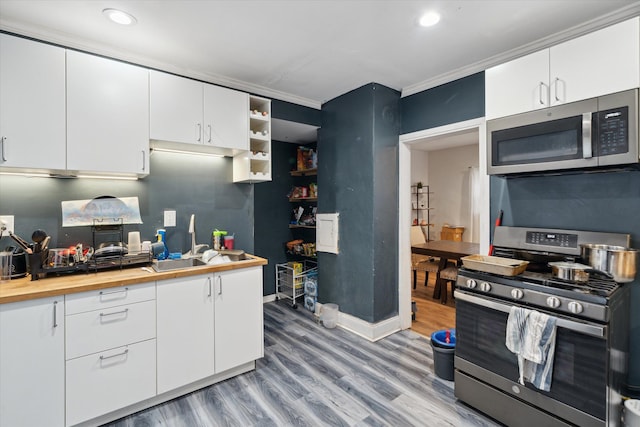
x=579 y=384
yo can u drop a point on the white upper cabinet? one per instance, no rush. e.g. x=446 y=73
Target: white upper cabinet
x=225 y=118
x=107 y=115
x=175 y=108
x=599 y=63
x=32 y=104
x=603 y=62
x=188 y=111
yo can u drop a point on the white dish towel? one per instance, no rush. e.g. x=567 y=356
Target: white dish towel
x=531 y=335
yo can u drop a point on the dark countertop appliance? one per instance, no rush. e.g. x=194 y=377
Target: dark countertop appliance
x=592 y=340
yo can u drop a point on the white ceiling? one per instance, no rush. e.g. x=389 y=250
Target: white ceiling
x=311 y=51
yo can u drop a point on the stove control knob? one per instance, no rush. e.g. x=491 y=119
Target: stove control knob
x=485 y=287
x=575 y=307
x=517 y=293
x=553 y=302
x=471 y=283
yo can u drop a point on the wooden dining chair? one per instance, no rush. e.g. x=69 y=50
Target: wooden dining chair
x=421 y=262
x=448 y=276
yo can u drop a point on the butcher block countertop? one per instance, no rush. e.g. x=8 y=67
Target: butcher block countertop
x=27 y=289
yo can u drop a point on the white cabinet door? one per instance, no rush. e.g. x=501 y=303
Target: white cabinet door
x=185 y=331
x=226 y=118
x=32 y=368
x=32 y=104
x=239 y=328
x=176 y=105
x=599 y=63
x=517 y=86
x=107 y=115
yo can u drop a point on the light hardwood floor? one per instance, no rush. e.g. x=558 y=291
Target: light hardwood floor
x=314 y=376
x=431 y=314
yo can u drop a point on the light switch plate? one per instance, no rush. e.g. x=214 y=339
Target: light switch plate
x=9 y=223
x=169 y=218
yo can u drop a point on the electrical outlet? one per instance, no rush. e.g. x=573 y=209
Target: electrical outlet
x=8 y=222
x=169 y=218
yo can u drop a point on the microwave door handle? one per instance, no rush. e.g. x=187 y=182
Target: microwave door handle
x=561 y=322
x=587 y=152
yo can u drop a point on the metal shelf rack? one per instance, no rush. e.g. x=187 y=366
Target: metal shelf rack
x=290 y=279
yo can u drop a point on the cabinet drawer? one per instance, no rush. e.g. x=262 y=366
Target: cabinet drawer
x=100 y=383
x=107 y=328
x=111 y=297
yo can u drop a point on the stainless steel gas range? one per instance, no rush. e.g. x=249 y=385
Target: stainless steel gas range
x=591 y=350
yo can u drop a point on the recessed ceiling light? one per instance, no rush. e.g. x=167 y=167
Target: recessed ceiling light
x=429 y=19
x=119 y=17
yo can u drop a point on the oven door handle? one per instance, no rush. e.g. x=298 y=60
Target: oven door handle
x=583 y=328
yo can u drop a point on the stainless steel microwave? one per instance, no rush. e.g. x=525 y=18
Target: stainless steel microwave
x=597 y=132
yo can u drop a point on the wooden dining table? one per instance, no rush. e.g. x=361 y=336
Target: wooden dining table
x=445 y=250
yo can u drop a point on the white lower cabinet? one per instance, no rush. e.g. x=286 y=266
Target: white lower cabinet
x=32 y=363
x=110 y=350
x=185 y=331
x=109 y=380
x=239 y=327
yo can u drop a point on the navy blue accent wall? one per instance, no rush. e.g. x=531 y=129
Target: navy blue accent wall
x=608 y=202
x=189 y=184
x=295 y=113
x=453 y=102
x=358 y=178
x=273 y=210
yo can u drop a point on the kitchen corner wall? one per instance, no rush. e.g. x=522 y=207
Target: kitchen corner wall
x=358 y=178
x=188 y=184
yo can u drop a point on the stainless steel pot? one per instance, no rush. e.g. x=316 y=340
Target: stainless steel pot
x=571 y=271
x=618 y=261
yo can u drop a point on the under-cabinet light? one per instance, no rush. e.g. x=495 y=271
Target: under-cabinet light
x=119 y=17
x=27 y=174
x=193 y=153
x=111 y=177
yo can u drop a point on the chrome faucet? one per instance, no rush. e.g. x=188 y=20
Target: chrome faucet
x=195 y=249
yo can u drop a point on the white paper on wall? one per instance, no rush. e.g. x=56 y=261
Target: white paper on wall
x=327 y=233
x=101 y=211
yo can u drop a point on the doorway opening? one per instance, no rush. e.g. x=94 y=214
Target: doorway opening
x=439 y=146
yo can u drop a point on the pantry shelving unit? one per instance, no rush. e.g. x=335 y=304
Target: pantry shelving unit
x=255 y=165
x=421 y=208
x=290 y=278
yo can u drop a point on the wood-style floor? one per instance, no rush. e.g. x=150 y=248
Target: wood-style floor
x=313 y=376
x=431 y=315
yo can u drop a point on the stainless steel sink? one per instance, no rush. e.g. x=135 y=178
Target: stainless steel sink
x=176 y=264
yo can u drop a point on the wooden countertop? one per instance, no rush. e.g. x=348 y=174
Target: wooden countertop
x=27 y=289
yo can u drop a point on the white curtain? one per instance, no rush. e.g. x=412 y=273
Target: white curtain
x=474 y=204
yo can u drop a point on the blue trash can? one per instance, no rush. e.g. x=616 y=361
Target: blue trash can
x=443 y=353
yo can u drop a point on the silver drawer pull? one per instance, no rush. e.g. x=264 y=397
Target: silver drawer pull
x=114 y=313
x=119 y=291
x=114 y=355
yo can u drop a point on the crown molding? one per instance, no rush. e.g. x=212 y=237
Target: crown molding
x=620 y=15
x=66 y=41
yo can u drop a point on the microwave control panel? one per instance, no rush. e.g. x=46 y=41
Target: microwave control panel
x=612 y=133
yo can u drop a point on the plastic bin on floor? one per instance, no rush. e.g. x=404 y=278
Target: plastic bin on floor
x=329 y=315
x=443 y=353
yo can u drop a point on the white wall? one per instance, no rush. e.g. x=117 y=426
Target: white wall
x=419 y=167
x=448 y=172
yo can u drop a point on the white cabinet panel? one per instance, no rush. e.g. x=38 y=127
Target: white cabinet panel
x=104 y=329
x=175 y=108
x=110 y=297
x=238 y=318
x=32 y=102
x=103 y=382
x=225 y=118
x=184 y=331
x=32 y=363
x=600 y=63
x=517 y=86
x=107 y=115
